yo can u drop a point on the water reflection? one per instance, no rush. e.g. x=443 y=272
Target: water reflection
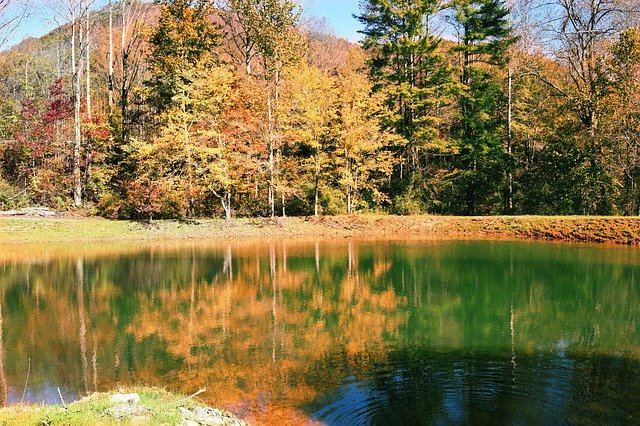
x=339 y=332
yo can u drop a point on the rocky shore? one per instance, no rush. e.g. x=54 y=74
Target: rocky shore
x=141 y=406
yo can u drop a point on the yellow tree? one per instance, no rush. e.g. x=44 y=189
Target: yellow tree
x=308 y=110
x=190 y=158
x=361 y=141
x=264 y=32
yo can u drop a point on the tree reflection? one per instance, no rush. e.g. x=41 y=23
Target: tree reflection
x=438 y=326
x=3 y=376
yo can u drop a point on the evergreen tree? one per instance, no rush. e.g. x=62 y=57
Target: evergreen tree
x=484 y=38
x=408 y=67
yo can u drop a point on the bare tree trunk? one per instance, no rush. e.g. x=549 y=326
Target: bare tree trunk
x=349 y=186
x=247 y=58
x=58 y=63
x=123 y=91
x=316 y=188
x=225 y=200
x=284 y=211
x=88 y=59
x=315 y=201
x=110 y=77
x=276 y=98
x=75 y=69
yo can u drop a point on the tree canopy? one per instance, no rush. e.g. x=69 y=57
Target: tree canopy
x=239 y=108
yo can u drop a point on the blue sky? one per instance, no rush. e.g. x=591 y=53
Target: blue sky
x=339 y=16
x=337 y=12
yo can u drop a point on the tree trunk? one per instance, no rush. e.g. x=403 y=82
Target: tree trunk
x=225 y=200
x=187 y=146
x=88 y=61
x=247 y=55
x=284 y=211
x=510 y=143
x=316 y=188
x=77 y=145
x=349 y=186
x=125 y=65
x=110 y=77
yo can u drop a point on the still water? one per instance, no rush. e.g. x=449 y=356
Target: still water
x=342 y=332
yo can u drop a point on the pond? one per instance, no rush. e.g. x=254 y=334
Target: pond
x=333 y=332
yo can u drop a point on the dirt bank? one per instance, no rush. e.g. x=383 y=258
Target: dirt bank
x=612 y=230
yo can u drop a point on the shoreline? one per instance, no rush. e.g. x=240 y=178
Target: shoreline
x=591 y=229
x=137 y=405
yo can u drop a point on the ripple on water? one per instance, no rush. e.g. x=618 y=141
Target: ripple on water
x=444 y=389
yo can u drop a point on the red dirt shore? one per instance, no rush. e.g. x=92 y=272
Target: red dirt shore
x=612 y=230
x=66 y=229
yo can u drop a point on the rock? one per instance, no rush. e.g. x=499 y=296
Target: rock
x=30 y=211
x=127 y=411
x=140 y=420
x=209 y=417
x=126 y=398
x=186 y=414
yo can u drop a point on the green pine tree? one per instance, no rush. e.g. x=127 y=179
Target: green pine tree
x=407 y=65
x=485 y=35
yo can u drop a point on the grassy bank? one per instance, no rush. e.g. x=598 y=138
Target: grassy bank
x=136 y=406
x=614 y=230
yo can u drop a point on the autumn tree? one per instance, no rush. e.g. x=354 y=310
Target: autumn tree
x=189 y=94
x=579 y=35
x=241 y=31
x=189 y=158
x=308 y=110
x=263 y=33
x=126 y=72
x=582 y=28
x=39 y=157
x=182 y=41
x=626 y=118
x=241 y=137
x=364 y=162
x=278 y=45
x=76 y=12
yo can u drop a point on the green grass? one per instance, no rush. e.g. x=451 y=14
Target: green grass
x=89 y=229
x=161 y=408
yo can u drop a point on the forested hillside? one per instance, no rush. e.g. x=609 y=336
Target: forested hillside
x=200 y=108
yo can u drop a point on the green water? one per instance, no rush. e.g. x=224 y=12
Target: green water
x=341 y=332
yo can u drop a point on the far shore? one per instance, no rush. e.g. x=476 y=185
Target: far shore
x=36 y=230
